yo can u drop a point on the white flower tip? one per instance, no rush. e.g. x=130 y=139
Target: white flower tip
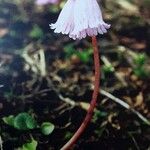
x=52 y=26
x=107 y=26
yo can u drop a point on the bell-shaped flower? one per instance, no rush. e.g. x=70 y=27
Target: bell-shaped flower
x=80 y=18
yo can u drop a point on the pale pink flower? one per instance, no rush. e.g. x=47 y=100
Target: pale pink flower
x=44 y=2
x=65 y=21
x=80 y=18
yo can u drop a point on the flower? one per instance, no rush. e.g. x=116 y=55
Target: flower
x=80 y=18
x=65 y=22
x=43 y=2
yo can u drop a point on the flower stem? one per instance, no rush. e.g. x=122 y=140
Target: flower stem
x=90 y=111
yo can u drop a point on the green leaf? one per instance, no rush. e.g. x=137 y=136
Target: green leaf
x=9 y=120
x=47 y=128
x=140 y=59
x=68 y=135
x=30 y=146
x=31 y=123
x=36 y=32
x=69 y=51
x=108 y=69
x=98 y=114
x=24 y=121
x=141 y=72
x=85 y=55
x=100 y=131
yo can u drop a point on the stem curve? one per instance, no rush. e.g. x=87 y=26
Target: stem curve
x=90 y=111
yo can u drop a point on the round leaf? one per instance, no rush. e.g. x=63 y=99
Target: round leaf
x=30 y=146
x=30 y=123
x=24 y=121
x=9 y=120
x=47 y=128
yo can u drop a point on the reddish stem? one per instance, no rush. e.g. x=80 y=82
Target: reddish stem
x=90 y=111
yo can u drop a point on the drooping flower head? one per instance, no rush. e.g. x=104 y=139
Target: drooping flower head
x=80 y=18
x=44 y=2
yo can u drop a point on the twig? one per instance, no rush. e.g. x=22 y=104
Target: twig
x=37 y=62
x=107 y=94
x=125 y=105
x=42 y=63
x=34 y=94
x=64 y=99
x=67 y=100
